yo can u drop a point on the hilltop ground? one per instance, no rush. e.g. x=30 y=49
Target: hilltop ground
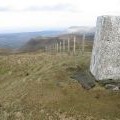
x=39 y=87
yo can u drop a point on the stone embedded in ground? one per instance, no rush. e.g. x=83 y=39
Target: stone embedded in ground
x=110 y=86
x=105 y=62
x=116 y=88
x=86 y=80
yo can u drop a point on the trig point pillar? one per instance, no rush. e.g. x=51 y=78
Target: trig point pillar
x=105 y=62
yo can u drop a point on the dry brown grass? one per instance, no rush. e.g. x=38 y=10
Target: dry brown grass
x=39 y=87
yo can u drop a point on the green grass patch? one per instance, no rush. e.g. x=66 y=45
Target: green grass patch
x=40 y=87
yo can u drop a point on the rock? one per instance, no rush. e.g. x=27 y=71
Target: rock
x=116 y=88
x=105 y=62
x=109 y=86
x=85 y=79
x=112 y=87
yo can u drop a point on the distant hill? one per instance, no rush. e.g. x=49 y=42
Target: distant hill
x=41 y=42
x=38 y=43
x=16 y=40
x=4 y=51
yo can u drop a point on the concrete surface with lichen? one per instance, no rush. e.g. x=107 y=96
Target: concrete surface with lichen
x=105 y=63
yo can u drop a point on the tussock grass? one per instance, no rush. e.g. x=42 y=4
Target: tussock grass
x=39 y=87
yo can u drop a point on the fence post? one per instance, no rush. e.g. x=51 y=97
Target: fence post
x=57 y=48
x=63 y=45
x=60 y=46
x=68 y=44
x=53 y=49
x=74 y=45
x=83 y=43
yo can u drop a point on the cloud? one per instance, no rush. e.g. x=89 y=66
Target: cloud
x=25 y=13
x=57 y=7
x=66 y=7
x=2 y=9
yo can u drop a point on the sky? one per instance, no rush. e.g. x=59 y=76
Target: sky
x=38 y=15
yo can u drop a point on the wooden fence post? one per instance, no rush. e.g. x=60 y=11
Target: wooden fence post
x=63 y=45
x=83 y=43
x=57 y=48
x=74 y=45
x=60 y=47
x=68 y=44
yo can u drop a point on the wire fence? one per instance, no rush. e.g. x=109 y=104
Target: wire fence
x=72 y=47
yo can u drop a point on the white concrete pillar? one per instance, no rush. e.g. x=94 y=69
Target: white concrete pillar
x=105 y=62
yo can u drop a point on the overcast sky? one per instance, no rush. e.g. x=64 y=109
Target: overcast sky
x=30 y=15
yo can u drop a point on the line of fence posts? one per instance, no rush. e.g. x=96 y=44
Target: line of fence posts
x=63 y=46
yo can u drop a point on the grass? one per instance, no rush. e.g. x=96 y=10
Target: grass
x=38 y=87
